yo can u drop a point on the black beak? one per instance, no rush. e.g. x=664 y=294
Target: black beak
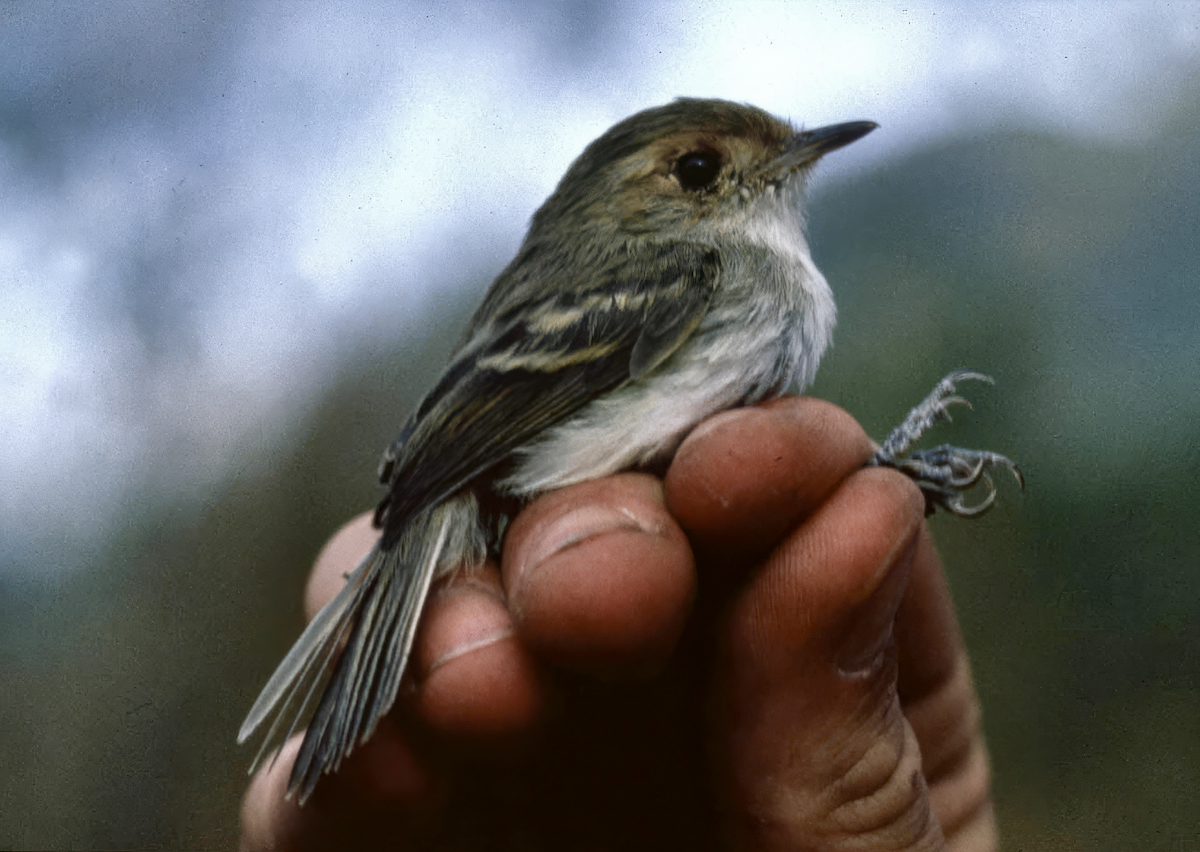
x=817 y=143
x=808 y=146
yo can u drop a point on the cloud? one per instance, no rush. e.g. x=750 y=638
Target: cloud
x=203 y=200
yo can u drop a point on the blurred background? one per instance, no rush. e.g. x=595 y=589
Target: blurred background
x=238 y=240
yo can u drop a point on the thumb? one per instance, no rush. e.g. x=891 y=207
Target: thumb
x=816 y=750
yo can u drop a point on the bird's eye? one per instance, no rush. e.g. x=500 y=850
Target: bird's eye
x=697 y=169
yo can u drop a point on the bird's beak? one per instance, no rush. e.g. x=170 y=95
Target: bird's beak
x=808 y=146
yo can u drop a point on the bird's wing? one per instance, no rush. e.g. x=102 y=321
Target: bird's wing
x=536 y=363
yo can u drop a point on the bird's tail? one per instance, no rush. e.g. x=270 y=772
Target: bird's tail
x=374 y=618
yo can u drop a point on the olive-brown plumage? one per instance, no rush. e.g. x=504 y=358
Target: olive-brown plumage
x=666 y=278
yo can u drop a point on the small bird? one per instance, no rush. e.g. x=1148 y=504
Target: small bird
x=666 y=278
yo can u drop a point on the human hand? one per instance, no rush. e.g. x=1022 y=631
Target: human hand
x=809 y=690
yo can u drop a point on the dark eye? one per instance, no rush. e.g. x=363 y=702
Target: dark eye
x=697 y=169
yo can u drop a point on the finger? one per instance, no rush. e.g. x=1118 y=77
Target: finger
x=745 y=477
x=819 y=752
x=599 y=576
x=380 y=795
x=475 y=680
x=939 y=699
x=471 y=676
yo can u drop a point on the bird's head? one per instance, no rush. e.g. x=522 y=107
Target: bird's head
x=692 y=168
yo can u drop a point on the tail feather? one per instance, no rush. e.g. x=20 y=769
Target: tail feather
x=406 y=610
x=379 y=610
x=319 y=640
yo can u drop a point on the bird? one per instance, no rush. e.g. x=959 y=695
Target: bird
x=666 y=278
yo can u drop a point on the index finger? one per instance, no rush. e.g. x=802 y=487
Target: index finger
x=746 y=477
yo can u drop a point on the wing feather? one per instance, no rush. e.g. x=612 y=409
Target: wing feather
x=531 y=365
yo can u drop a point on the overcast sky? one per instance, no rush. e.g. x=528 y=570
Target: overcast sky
x=203 y=202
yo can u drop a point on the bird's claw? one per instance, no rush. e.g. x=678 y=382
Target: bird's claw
x=944 y=473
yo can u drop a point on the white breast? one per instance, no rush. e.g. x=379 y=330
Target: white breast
x=770 y=322
x=758 y=338
x=645 y=420
x=777 y=225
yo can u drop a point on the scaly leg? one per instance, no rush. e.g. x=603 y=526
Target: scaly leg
x=944 y=473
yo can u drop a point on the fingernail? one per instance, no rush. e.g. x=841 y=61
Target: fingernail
x=483 y=640
x=871 y=629
x=573 y=528
x=470 y=614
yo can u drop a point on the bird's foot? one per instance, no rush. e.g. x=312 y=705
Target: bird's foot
x=945 y=474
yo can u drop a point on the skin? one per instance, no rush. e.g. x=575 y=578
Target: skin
x=758 y=651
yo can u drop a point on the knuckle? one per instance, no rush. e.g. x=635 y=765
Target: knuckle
x=884 y=800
